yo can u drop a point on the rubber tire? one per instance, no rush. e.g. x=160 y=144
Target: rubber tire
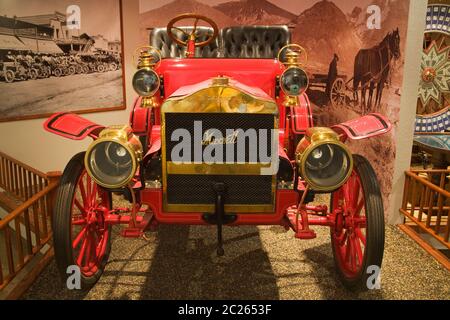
x=61 y=223
x=33 y=74
x=375 y=228
x=57 y=72
x=113 y=66
x=71 y=71
x=9 y=76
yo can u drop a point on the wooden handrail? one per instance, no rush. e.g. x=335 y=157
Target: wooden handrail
x=425 y=206
x=25 y=166
x=26 y=229
x=425 y=229
x=435 y=188
x=429 y=171
x=11 y=216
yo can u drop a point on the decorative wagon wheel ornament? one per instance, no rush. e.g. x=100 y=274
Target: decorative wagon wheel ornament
x=146 y=56
x=435 y=73
x=337 y=93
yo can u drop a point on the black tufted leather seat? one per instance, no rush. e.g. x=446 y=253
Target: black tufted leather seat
x=169 y=49
x=254 y=41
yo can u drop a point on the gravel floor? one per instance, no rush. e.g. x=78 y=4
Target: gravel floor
x=264 y=262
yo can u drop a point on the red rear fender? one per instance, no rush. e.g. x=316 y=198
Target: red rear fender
x=367 y=126
x=72 y=126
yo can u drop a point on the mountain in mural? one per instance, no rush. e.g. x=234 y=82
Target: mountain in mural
x=159 y=17
x=255 y=12
x=324 y=30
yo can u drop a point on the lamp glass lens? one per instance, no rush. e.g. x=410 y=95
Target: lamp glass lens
x=145 y=82
x=110 y=163
x=327 y=165
x=294 y=81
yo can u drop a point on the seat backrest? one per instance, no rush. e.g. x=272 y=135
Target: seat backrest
x=254 y=41
x=160 y=39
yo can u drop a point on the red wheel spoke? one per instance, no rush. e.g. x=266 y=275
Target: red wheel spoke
x=90 y=241
x=343 y=238
x=359 y=253
x=87 y=255
x=78 y=238
x=82 y=251
x=346 y=192
x=360 y=222
x=359 y=206
x=94 y=194
x=360 y=236
x=93 y=256
x=78 y=220
x=88 y=187
x=352 y=253
x=104 y=242
x=347 y=250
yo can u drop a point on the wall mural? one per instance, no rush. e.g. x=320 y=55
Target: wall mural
x=355 y=49
x=59 y=55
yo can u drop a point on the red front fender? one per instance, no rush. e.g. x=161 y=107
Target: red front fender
x=371 y=125
x=72 y=126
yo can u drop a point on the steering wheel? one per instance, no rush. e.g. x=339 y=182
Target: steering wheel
x=191 y=42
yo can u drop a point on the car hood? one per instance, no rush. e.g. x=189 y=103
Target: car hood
x=220 y=94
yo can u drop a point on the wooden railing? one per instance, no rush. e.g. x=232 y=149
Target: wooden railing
x=26 y=229
x=426 y=205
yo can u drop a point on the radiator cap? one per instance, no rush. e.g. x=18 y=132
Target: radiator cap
x=220 y=81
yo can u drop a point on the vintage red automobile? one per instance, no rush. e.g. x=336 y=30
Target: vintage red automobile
x=221 y=135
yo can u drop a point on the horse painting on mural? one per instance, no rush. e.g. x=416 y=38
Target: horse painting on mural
x=372 y=70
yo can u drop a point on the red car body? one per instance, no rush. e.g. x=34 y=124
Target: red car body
x=292 y=209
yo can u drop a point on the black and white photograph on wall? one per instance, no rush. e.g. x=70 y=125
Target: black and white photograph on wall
x=67 y=53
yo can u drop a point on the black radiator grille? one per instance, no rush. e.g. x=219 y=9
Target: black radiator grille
x=197 y=189
x=240 y=189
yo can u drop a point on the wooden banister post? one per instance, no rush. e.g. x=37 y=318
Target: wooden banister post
x=52 y=177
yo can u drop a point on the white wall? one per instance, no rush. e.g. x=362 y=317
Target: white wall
x=28 y=142
x=405 y=129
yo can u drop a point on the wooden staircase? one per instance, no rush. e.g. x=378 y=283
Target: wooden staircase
x=26 y=203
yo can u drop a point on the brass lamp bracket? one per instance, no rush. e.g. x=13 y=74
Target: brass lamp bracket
x=145 y=57
x=296 y=56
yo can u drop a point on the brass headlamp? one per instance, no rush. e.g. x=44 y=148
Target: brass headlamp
x=323 y=160
x=112 y=159
x=146 y=81
x=294 y=80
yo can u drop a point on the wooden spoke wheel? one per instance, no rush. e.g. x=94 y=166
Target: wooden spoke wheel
x=337 y=93
x=358 y=234
x=9 y=76
x=81 y=235
x=33 y=74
